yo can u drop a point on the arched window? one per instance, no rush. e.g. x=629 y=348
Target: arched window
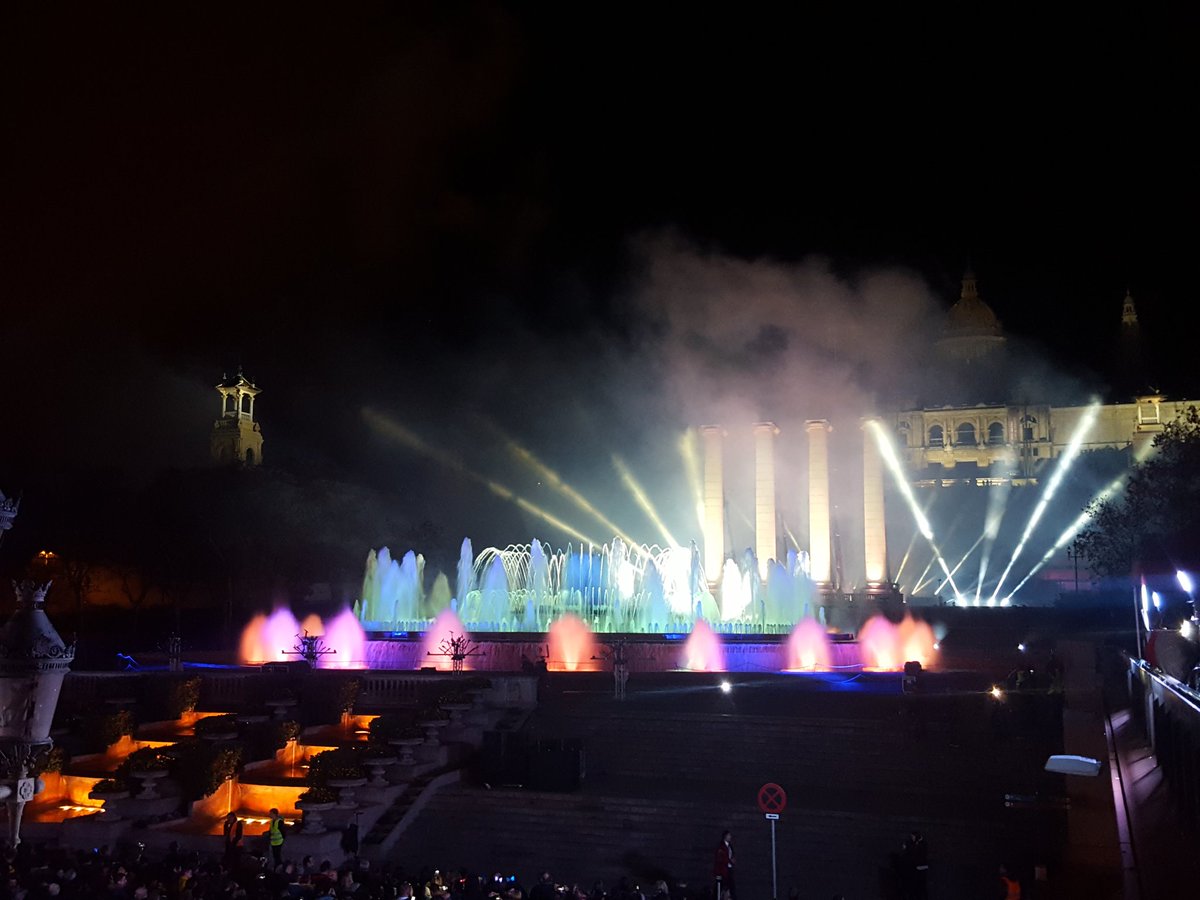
x=902 y=433
x=1028 y=423
x=965 y=434
x=936 y=436
x=996 y=433
x=230 y=403
x=249 y=456
x=246 y=403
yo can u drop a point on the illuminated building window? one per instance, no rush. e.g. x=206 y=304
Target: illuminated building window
x=996 y=433
x=1028 y=423
x=936 y=436
x=965 y=434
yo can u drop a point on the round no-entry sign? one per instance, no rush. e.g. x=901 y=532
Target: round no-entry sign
x=772 y=798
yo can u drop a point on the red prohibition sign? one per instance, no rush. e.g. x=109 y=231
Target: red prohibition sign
x=772 y=798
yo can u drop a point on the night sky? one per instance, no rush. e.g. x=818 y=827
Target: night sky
x=582 y=227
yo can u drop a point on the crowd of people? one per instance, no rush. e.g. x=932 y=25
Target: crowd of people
x=36 y=872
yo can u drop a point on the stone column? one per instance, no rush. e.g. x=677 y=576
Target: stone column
x=764 y=495
x=875 y=531
x=819 y=545
x=714 y=503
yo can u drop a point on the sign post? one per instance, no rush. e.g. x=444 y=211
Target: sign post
x=772 y=799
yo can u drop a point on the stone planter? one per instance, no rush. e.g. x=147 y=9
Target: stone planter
x=313 y=823
x=220 y=736
x=456 y=711
x=109 y=798
x=149 y=779
x=378 y=765
x=407 y=746
x=432 y=726
x=280 y=707
x=345 y=788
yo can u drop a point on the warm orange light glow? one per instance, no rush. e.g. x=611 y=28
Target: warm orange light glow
x=887 y=647
x=572 y=646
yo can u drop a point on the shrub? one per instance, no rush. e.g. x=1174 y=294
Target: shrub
x=387 y=726
x=344 y=762
x=289 y=730
x=183 y=697
x=106 y=729
x=50 y=760
x=348 y=694
x=319 y=795
x=110 y=786
x=145 y=760
x=201 y=767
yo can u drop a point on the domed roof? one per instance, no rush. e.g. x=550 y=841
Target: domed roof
x=970 y=316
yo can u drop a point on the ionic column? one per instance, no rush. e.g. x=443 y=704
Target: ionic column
x=714 y=502
x=818 y=501
x=764 y=495
x=875 y=530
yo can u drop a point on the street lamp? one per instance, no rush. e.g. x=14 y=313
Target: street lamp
x=33 y=663
x=1073 y=555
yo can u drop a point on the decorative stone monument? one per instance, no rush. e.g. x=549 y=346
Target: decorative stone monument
x=33 y=662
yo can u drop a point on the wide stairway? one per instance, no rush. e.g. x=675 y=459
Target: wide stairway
x=667 y=771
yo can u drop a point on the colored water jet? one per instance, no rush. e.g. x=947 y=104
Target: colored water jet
x=446 y=626
x=808 y=647
x=572 y=645
x=703 y=651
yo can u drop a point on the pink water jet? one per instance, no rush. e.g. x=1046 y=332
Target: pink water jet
x=887 y=647
x=446 y=624
x=269 y=638
x=808 y=647
x=703 y=651
x=344 y=633
x=572 y=645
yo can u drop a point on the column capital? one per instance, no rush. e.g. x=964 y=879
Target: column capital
x=766 y=428
x=711 y=430
x=811 y=425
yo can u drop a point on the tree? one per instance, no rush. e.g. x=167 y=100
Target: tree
x=1157 y=516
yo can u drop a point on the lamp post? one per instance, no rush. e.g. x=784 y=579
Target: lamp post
x=33 y=663
x=1073 y=555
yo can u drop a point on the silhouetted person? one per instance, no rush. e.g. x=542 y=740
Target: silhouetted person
x=723 y=867
x=232 y=830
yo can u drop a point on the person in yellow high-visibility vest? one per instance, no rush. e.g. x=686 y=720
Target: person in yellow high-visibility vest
x=275 y=835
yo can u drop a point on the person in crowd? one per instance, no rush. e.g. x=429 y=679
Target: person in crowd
x=723 y=867
x=275 y=835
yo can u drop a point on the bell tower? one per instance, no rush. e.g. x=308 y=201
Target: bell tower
x=236 y=437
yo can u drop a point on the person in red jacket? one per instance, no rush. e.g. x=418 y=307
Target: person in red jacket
x=723 y=867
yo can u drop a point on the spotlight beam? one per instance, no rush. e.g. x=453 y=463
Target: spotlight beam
x=397 y=432
x=1113 y=487
x=555 y=481
x=642 y=500
x=1065 y=461
x=888 y=452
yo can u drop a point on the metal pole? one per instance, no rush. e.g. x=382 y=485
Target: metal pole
x=774 y=884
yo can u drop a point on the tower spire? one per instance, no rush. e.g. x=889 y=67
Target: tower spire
x=1128 y=312
x=236 y=437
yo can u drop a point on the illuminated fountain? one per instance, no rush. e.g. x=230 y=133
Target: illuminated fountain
x=808 y=647
x=887 y=647
x=617 y=587
x=275 y=637
x=572 y=645
x=703 y=651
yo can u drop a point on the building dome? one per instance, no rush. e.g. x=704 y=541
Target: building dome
x=972 y=331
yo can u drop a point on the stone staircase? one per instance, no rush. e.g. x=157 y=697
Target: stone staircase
x=663 y=779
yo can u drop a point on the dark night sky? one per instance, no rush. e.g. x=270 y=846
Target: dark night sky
x=448 y=211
